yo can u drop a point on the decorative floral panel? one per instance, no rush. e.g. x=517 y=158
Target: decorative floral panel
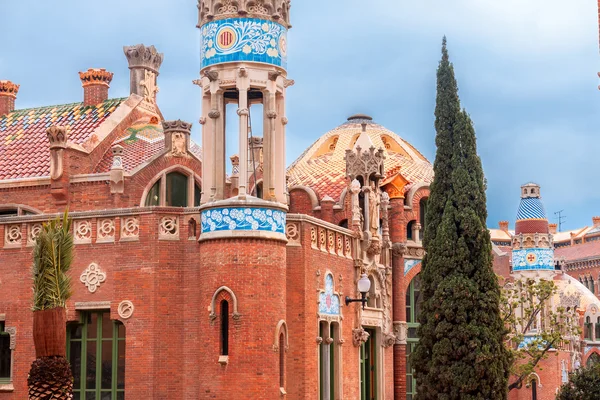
x=243 y=39
x=12 y=236
x=533 y=259
x=33 y=230
x=106 y=230
x=243 y=219
x=130 y=228
x=329 y=302
x=82 y=230
x=410 y=264
x=168 y=228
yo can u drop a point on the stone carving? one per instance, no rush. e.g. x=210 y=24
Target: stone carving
x=374 y=247
x=313 y=238
x=177 y=135
x=93 y=277
x=322 y=240
x=12 y=332
x=414 y=252
x=374 y=205
x=178 y=144
x=340 y=245
x=125 y=309
x=57 y=136
x=82 y=230
x=292 y=232
x=398 y=249
x=319 y=340
x=149 y=86
x=117 y=181
x=227 y=8
x=140 y=56
x=359 y=336
x=400 y=332
x=570 y=299
x=12 y=236
x=331 y=242
x=278 y=10
x=33 y=232
x=106 y=230
x=388 y=340
x=169 y=227
x=356 y=213
x=130 y=228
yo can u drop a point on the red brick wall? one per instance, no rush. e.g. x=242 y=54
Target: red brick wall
x=94 y=94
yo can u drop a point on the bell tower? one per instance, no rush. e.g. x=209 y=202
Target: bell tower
x=242 y=252
x=243 y=55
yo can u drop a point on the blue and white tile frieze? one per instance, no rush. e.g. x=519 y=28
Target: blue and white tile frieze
x=410 y=264
x=243 y=39
x=532 y=259
x=243 y=219
x=329 y=302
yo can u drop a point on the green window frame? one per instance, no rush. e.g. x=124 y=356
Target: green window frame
x=5 y=355
x=587 y=328
x=413 y=301
x=103 y=377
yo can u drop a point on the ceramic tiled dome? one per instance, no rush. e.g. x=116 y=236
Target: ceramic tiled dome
x=322 y=167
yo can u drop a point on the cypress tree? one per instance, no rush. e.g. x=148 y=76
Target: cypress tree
x=461 y=352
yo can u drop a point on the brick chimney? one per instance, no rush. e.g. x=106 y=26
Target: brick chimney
x=95 y=82
x=8 y=94
x=552 y=228
x=503 y=226
x=596 y=222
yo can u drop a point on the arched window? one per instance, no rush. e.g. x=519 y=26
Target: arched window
x=409 y=230
x=413 y=307
x=591 y=284
x=282 y=360
x=15 y=210
x=259 y=190
x=224 y=328
x=593 y=359
x=587 y=330
x=174 y=189
x=422 y=213
x=327 y=361
x=343 y=223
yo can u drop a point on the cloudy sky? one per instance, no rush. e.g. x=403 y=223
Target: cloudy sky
x=527 y=73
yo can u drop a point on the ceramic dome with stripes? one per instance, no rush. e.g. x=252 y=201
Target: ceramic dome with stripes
x=531 y=216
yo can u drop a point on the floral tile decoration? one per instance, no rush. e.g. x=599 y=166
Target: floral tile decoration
x=528 y=259
x=243 y=39
x=410 y=264
x=243 y=219
x=329 y=302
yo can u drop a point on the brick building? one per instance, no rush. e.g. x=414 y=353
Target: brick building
x=193 y=283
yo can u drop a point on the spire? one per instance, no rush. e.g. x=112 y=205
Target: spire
x=364 y=141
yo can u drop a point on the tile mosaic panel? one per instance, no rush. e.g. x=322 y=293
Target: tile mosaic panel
x=329 y=302
x=243 y=39
x=243 y=219
x=410 y=264
x=533 y=259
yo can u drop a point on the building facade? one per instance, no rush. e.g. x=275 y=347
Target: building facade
x=191 y=283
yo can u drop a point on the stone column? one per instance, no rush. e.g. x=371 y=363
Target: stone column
x=144 y=64
x=207 y=158
x=243 y=113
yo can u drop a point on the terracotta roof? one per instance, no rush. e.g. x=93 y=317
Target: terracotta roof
x=141 y=141
x=323 y=167
x=23 y=143
x=579 y=251
x=500 y=235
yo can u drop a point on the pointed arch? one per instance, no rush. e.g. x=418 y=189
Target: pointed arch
x=213 y=314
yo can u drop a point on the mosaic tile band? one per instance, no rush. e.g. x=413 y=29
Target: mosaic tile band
x=243 y=39
x=410 y=264
x=533 y=259
x=329 y=302
x=243 y=219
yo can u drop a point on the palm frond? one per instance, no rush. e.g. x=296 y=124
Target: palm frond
x=52 y=258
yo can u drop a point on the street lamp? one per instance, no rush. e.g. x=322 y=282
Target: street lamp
x=364 y=285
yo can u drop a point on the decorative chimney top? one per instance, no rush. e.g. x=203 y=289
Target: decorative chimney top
x=96 y=76
x=503 y=226
x=95 y=82
x=276 y=10
x=140 y=56
x=552 y=228
x=529 y=190
x=57 y=136
x=596 y=222
x=8 y=94
x=177 y=137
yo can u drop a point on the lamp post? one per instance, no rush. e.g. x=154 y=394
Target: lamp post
x=364 y=285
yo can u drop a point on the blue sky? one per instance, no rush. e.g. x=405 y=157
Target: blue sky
x=527 y=73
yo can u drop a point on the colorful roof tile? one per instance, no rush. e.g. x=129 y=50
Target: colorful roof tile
x=322 y=166
x=23 y=143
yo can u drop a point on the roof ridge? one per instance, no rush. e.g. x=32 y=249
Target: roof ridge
x=61 y=105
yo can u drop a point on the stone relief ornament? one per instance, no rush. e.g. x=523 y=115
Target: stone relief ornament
x=322 y=240
x=178 y=145
x=93 y=277
x=359 y=336
x=149 y=86
x=12 y=332
x=374 y=206
x=13 y=236
x=313 y=238
x=331 y=242
x=400 y=332
x=83 y=231
x=347 y=247
x=570 y=299
x=292 y=232
x=130 y=228
x=388 y=340
x=125 y=309
x=169 y=227
x=106 y=230
x=33 y=232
